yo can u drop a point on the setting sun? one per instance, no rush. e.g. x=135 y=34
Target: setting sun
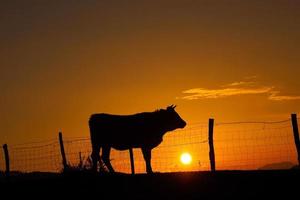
x=186 y=158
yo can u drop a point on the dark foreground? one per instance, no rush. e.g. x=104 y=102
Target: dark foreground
x=189 y=185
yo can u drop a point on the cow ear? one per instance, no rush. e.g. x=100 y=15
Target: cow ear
x=171 y=107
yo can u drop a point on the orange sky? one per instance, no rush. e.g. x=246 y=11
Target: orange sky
x=61 y=61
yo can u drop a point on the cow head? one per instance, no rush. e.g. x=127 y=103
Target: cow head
x=172 y=118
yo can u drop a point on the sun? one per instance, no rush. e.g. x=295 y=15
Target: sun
x=186 y=158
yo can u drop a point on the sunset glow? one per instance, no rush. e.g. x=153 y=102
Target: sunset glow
x=186 y=158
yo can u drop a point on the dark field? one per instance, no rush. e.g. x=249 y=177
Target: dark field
x=188 y=185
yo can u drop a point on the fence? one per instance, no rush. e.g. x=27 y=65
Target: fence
x=235 y=146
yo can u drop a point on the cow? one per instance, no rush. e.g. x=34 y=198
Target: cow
x=142 y=130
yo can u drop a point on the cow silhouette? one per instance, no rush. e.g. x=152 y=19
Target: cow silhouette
x=142 y=130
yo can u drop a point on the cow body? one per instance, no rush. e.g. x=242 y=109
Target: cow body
x=143 y=130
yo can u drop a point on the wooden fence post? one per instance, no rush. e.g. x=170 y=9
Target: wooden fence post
x=62 y=151
x=6 y=156
x=296 y=135
x=131 y=161
x=211 y=144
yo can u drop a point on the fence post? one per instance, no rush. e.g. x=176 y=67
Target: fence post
x=6 y=156
x=211 y=144
x=131 y=161
x=296 y=135
x=62 y=151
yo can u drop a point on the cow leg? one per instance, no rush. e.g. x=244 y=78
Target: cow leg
x=95 y=157
x=147 y=157
x=105 y=158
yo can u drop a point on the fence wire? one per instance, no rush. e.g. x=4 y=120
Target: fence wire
x=40 y=156
x=254 y=145
x=238 y=146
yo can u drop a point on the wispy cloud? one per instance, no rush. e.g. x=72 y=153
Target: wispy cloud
x=276 y=97
x=236 y=89
x=201 y=93
x=239 y=83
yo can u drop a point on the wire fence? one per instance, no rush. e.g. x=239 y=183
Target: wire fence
x=250 y=146
x=39 y=156
x=238 y=146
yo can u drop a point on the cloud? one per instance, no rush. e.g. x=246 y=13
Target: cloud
x=237 y=89
x=275 y=97
x=240 y=83
x=201 y=93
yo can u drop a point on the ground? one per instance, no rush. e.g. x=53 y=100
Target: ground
x=184 y=185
